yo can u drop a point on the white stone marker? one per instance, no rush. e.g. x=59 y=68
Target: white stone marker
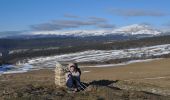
x=60 y=79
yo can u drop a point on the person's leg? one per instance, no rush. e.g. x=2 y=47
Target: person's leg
x=78 y=84
x=69 y=82
x=75 y=85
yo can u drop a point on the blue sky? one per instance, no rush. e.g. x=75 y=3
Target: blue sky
x=20 y=15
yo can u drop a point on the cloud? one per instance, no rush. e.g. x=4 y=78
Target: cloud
x=97 y=19
x=62 y=24
x=137 y=12
x=71 y=16
x=106 y=26
x=69 y=24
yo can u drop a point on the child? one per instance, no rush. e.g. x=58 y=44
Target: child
x=73 y=78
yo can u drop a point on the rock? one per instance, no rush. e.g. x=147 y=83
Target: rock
x=60 y=79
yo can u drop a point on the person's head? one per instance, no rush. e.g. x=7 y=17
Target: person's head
x=73 y=64
x=69 y=65
x=72 y=68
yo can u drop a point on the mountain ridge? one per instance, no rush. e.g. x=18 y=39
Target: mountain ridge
x=136 y=30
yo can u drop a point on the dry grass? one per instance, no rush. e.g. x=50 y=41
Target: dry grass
x=39 y=85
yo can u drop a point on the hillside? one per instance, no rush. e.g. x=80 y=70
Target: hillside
x=26 y=48
x=139 y=81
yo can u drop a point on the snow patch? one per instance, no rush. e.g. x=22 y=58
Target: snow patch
x=135 y=29
x=86 y=71
x=88 y=56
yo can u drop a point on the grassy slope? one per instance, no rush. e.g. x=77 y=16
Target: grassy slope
x=39 y=85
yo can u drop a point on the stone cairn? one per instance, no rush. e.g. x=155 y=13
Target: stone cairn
x=60 y=79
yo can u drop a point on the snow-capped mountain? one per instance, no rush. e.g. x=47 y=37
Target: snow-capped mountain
x=134 y=29
x=137 y=29
x=80 y=33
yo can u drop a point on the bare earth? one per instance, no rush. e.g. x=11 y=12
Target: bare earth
x=136 y=76
x=155 y=72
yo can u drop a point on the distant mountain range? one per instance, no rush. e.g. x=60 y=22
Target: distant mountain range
x=135 y=30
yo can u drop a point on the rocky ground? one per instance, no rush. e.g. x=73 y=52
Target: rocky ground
x=139 y=81
x=96 y=90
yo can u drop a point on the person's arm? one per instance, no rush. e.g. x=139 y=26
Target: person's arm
x=76 y=74
x=68 y=75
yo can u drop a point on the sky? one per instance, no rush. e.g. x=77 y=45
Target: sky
x=48 y=15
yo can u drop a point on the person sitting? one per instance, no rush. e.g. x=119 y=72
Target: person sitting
x=73 y=77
